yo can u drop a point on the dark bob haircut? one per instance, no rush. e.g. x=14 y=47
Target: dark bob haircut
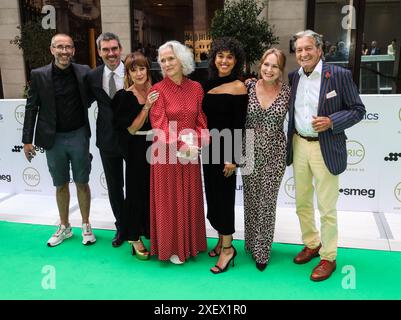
x=227 y=44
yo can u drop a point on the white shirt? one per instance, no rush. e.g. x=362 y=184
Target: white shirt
x=390 y=49
x=118 y=77
x=307 y=100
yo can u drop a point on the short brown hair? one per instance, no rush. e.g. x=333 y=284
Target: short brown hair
x=132 y=60
x=281 y=58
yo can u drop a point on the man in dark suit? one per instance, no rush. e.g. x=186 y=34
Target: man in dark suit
x=374 y=50
x=104 y=82
x=57 y=105
x=324 y=102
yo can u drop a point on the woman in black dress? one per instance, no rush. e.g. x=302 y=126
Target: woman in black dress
x=130 y=108
x=224 y=104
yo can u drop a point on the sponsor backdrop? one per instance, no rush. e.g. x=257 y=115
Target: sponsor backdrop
x=372 y=181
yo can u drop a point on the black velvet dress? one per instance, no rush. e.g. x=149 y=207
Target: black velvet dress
x=137 y=171
x=225 y=113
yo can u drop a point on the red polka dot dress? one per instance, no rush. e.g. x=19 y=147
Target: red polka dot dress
x=177 y=220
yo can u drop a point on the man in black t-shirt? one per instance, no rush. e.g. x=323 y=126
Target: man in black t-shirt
x=57 y=105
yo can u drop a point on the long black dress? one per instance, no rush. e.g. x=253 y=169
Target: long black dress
x=224 y=113
x=137 y=171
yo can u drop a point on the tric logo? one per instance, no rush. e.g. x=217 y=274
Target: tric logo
x=31 y=176
x=289 y=187
x=355 y=152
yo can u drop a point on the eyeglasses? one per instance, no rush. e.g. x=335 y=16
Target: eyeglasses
x=61 y=47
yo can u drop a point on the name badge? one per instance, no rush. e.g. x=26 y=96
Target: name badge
x=331 y=94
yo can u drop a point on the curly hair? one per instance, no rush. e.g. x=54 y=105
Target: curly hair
x=182 y=53
x=227 y=44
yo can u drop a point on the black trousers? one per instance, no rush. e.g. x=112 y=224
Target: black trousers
x=113 y=166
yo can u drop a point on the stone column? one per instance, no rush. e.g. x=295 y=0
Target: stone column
x=11 y=58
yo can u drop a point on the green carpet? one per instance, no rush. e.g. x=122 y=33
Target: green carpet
x=103 y=272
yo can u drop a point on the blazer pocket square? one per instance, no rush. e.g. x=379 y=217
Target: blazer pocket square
x=331 y=94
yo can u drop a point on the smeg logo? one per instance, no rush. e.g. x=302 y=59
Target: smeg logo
x=370 y=193
x=5 y=177
x=393 y=156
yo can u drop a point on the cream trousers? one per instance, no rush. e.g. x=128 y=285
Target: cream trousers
x=309 y=165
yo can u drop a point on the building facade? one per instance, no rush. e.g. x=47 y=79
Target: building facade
x=347 y=26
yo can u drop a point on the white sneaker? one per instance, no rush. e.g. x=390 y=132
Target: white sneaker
x=87 y=235
x=61 y=234
x=174 y=259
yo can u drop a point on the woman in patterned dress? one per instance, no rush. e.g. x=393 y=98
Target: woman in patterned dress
x=224 y=105
x=265 y=167
x=177 y=220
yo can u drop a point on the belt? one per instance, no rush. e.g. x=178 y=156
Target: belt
x=143 y=133
x=310 y=139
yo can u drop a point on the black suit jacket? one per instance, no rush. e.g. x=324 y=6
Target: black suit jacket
x=106 y=136
x=40 y=108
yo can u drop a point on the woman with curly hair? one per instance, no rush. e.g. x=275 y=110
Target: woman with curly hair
x=224 y=105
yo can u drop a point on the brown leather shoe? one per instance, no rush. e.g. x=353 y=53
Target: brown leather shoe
x=307 y=254
x=323 y=270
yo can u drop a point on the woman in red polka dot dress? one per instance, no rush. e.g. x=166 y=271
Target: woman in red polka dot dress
x=177 y=220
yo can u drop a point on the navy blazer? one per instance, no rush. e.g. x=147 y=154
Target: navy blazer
x=40 y=109
x=106 y=136
x=345 y=110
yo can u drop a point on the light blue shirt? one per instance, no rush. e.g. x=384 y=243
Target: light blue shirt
x=307 y=100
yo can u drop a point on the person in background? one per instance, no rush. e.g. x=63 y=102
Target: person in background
x=224 y=105
x=267 y=107
x=130 y=107
x=365 y=49
x=57 y=105
x=324 y=102
x=392 y=47
x=374 y=50
x=177 y=221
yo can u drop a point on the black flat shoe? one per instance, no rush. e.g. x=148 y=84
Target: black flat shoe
x=117 y=240
x=261 y=266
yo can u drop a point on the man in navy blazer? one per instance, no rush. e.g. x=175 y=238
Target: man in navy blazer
x=324 y=102
x=57 y=105
x=104 y=82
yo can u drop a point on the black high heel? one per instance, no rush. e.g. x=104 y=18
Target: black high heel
x=261 y=266
x=220 y=270
x=213 y=253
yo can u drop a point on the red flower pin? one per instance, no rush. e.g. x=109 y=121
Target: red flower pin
x=327 y=75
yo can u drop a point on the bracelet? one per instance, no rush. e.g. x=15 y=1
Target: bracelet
x=145 y=108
